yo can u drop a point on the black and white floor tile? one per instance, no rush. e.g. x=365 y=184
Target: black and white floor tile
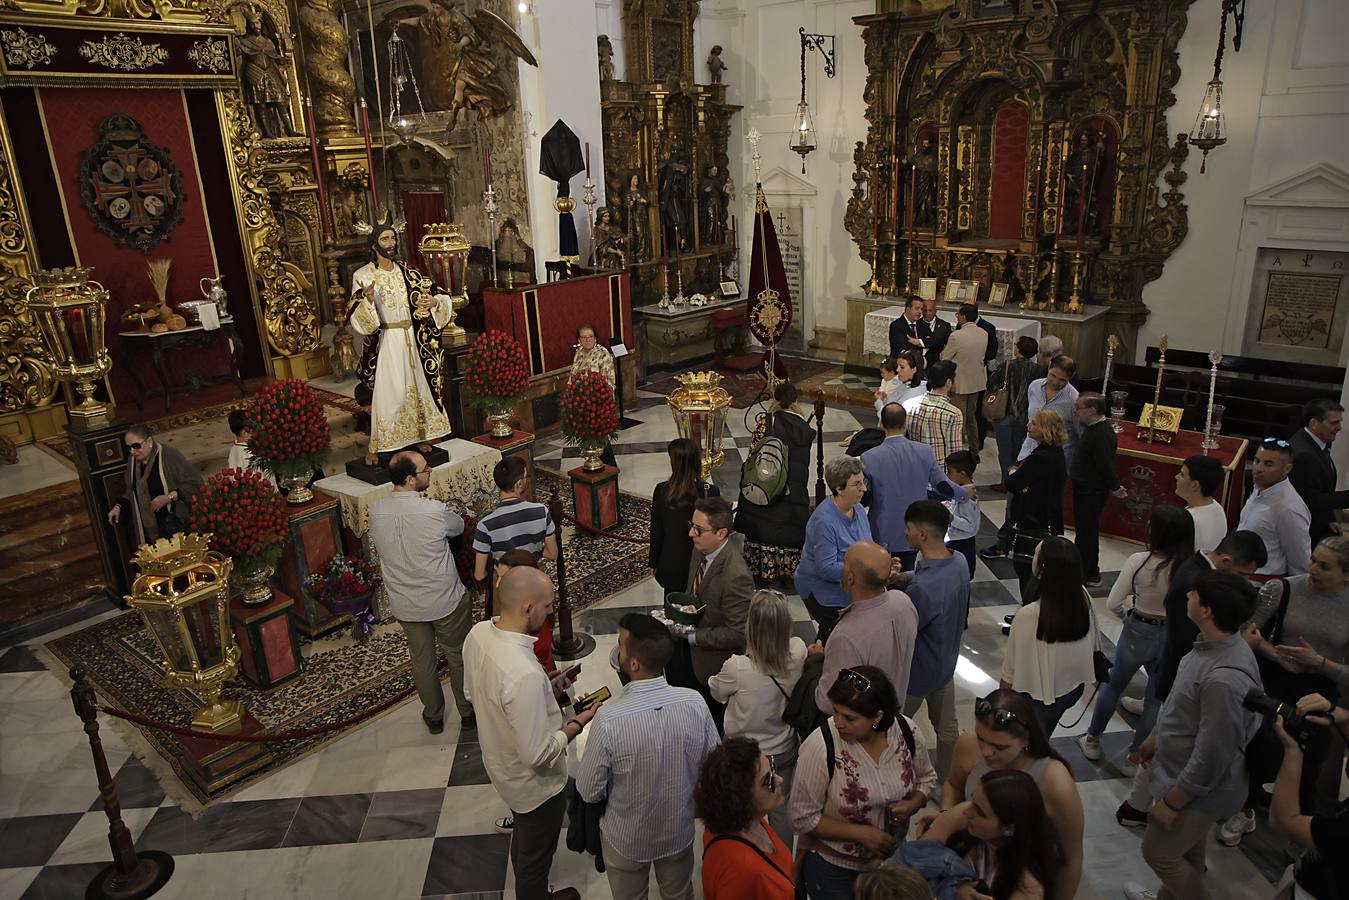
x=391 y=811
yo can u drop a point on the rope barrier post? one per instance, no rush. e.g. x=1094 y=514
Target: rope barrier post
x=567 y=645
x=819 y=449
x=132 y=875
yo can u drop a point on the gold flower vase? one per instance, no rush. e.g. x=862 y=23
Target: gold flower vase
x=499 y=419
x=590 y=453
x=297 y=487
x=254 y=585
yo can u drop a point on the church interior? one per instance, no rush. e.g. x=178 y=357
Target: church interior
x=313 y=233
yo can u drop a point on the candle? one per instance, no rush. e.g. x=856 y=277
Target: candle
x=587 y=160
x=876 y=207
x=318 y=169
x=913 y=198
x=677 y=242
x=487 y=163
x=733 y=234
x=369 y=156
x=1081 y=204
x=899 y=174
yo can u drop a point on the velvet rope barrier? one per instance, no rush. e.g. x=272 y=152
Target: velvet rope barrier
x=609 y=534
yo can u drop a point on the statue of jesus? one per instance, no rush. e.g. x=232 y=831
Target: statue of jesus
x=394 y=309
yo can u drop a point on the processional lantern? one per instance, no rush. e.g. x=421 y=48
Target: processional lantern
x=699 y=407
x=803 y=131
x=1210 y=125
x=71 y=311
x=445 y=250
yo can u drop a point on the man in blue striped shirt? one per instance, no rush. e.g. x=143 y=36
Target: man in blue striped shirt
x=642 y=760
x=515 y=524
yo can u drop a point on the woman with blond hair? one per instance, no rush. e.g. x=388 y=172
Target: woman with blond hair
x=755 y=686
x=1035 y=485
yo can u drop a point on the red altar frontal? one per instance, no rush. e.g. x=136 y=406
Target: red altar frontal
x=544 y=317
x=1148 y=472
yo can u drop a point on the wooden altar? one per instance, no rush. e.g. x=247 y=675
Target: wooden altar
x=1018 y=144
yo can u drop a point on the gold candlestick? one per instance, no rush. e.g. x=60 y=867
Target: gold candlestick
x=1075 y=298
x=894 y=268
x=1149 y=434
x=874 y=287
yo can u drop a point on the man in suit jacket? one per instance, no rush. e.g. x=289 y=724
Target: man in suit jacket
x=720 y=579
x=966 y=349
x=938 y=332
x=908 y=331
x=1314 y=474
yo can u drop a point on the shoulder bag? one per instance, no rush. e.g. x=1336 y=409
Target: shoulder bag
x=995 y=401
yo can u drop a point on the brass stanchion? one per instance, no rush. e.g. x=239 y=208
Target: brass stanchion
x=567 y=645
x=132 y=875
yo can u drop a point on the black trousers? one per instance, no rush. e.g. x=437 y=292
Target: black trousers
x=826 y=617
x=1088 y=504
x=533 y=843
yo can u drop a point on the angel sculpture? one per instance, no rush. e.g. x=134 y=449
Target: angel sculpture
x=462 y=67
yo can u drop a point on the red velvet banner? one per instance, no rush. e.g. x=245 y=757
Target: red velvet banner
x=421 y=208
x=544 y=317
x=72 y=116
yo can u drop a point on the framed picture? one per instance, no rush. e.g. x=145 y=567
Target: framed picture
x=927 y=288
x=958 y=291
x=997 y=295
x=730 y=289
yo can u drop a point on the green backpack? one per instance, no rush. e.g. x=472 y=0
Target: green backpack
x=763 y=477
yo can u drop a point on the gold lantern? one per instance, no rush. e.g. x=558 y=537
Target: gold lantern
x=71 y=309
x=699 y=407
x=182 y=592
x=445 y=250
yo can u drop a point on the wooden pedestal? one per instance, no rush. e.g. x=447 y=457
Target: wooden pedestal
x=521 y=444
x=315 y=534
x=595 y=495
x=215 y=764
x=269 y=653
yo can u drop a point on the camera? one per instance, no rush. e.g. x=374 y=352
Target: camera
x=1297 y=726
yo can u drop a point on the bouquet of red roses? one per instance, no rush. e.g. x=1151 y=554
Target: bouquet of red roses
x=495 y=372
x=346 y=585
x=244 y=515
x=290 y=428
x=589 y=414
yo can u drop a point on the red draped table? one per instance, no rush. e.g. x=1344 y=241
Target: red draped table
x=1148 y=472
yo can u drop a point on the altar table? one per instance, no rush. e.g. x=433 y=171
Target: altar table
x=877 y=334
x=140 y=344
x=1148 y=473
x=469 y=470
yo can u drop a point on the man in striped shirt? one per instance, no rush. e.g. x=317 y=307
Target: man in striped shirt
x=937 y=422
x=515 y=524
x=642 y=760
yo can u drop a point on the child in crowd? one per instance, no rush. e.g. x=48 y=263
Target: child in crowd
x=964 y=528
x=240 y=456
x=889 y=382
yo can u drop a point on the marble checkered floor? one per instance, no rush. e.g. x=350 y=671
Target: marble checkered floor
x=391 y=811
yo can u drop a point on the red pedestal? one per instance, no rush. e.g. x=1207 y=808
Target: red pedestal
x=315 y=535
x=595 y=495
x=1148 y=472
x=521 y=444
x=215 y=764
x=269 y=653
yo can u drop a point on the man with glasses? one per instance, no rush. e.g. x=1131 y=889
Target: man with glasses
x=411 y=534
x=1276 y=512
x=160 y=486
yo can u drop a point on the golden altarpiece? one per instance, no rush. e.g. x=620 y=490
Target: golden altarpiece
x=1018 y=143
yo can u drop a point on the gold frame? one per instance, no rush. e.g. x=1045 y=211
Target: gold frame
x=997 y=293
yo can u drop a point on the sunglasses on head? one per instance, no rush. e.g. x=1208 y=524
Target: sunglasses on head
x=855 y=679
x=770 y=781
x=1001 y=718
x=1275 y=442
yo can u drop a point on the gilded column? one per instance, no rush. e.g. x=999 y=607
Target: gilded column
x=330 y=84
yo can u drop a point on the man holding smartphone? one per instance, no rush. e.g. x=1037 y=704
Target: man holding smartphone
x=524 y=738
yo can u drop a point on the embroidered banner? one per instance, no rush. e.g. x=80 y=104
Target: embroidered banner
x=97 y=52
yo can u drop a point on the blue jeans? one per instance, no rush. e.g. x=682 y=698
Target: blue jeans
x=1010 y=432
x=1139 y=647
x=824 y=880
x=1050 y=713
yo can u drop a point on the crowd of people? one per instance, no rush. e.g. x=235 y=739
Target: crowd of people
x=803 y=761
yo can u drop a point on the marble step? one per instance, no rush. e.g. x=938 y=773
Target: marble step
x=37 y=536
x=22 y=510
x=44 y=593
x=18 y=576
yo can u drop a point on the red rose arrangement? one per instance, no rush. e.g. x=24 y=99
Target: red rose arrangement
x=495 y=372
x=345 y=585
x=589 y=414
x=290 y=428
x=244 y=515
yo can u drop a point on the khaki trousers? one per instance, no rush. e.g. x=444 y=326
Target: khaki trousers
x=628 y=879
x=968 y=404
x=1176 y=854
x=422 y=637
x=941 y=712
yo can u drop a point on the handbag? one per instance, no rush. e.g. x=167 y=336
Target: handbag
x=995 y=401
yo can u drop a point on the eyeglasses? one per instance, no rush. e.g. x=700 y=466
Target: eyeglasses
x=135 y=445
x=422 y=471
x=855 y=678
x=1002 y=718
x=1275 y=442
x=770 y=781
x=700 y=530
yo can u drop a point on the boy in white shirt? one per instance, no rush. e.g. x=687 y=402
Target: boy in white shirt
x=964 y=510
x=240 y=456
x=1198 y=479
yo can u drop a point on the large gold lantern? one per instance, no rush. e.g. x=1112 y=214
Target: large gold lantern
x=182 y=592
x=445 y=250
x=70 y=309
x=699 y=407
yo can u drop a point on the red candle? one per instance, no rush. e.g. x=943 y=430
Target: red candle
x=1081 y=204
x=487 y=163
x=876 y=207
x=899 y=169
x=369 y=156
x=318 y=170
x=676 y=242
x=913 y=198
x=733 y=233
x=587 y=160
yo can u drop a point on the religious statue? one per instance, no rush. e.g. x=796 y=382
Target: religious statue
x=674 y=199
x=606 y=52
x=715 y=64
x=727 y=198
x=393 y=308
x=924 y=162
x=710 y=203
x=1079 y=185
x=462 y=68
x=264 y=80
x=639 y=237
x=606 y=242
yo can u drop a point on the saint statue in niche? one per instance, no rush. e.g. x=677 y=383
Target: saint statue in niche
x=639 y=237
x=1080 y=176
x=606 y=54
x=924 y=162
x=607 y=242
x=674 y=199
x=711 y=202
x=264 y=79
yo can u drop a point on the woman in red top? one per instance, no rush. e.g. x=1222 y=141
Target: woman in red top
x=743 y=859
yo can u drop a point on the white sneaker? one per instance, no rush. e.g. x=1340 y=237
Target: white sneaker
x=505 y=825
x=1237 y=827
x=1128 y=767
x=1091 y=747
x=1135 y=891
x=1131 y=705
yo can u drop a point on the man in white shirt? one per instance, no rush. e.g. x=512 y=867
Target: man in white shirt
x=411 y=534
x=1276 y=512
x=1198 y=481
x=523 y=736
